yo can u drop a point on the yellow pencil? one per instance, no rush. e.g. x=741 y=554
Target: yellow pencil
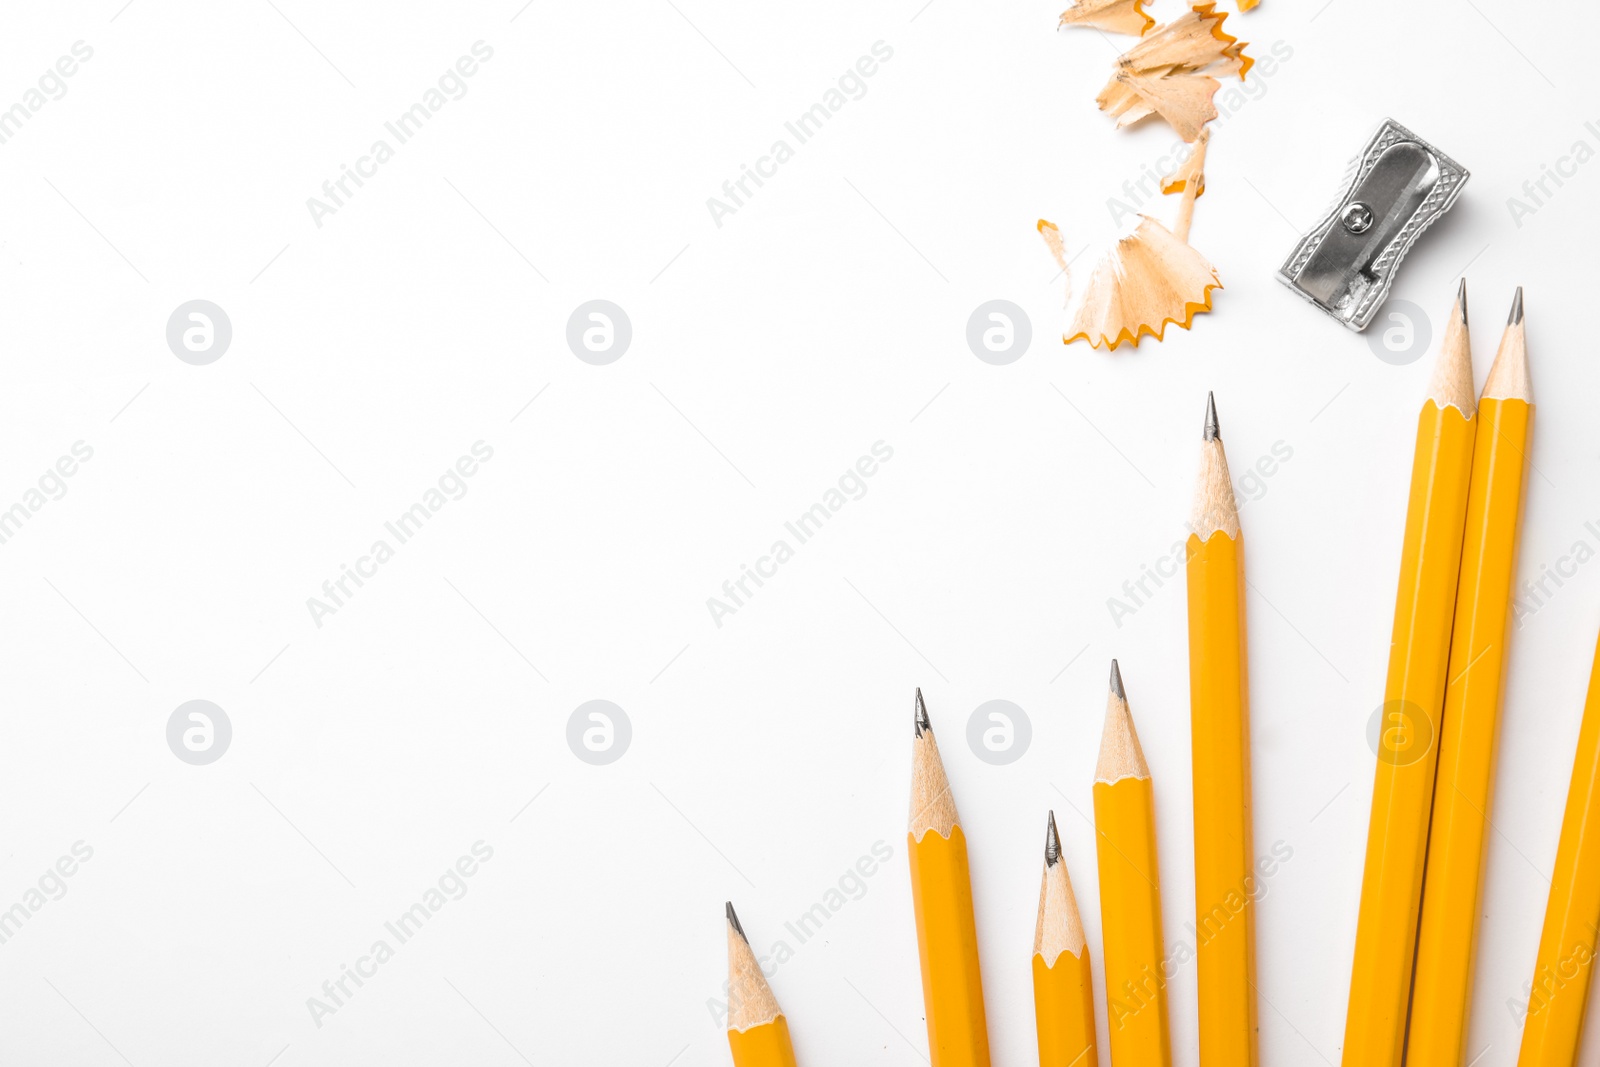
x=1402 y=792
x=1442 y=989
x=941 y=888
x=1063 y=980
x=758 y=1034
x=1565 y=964
x=1130 y=893
x=1219 y=709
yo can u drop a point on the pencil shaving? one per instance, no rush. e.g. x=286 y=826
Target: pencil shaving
x=1182 y=98
x=1052 y=240
x=1190 y=169
x=1169 y=72
x=1140 y=284
x=1118 y=16
x=1190 y=180
x=1194 y=40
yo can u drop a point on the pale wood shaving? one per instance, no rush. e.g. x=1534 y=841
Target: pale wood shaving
x=1169 y=72
x=1119 y=101
x=1193 y=40
x=1052 y=239
x=1118 y=16
x=1233 y=65
x=1181 y=97
x=1190 y=180
x=1142 y=282
x=1190 y=168
x=1234 y=60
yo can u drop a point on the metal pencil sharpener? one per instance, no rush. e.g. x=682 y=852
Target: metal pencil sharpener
x=1392 y=191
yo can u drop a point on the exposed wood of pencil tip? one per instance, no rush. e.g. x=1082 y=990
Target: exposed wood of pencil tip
x=750 y=999
x=1060 y=927
x=1451 y=385
x=1508 y=376
x=1215 y=510
x=933 y=806
x=1120 y=754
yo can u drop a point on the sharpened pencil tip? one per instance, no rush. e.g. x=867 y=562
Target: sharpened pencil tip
x=1516 y=308
x=1461 y=300
x=1052 y=843
x=733 y=921
x=1116 y=681
x=919 y=720
x=1211 y=431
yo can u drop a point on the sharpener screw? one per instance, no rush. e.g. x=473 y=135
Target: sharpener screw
x=1357 y=217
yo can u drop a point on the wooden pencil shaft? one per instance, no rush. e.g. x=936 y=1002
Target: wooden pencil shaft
x=1442 y=986
x=947 y=943
x=1224 y=859
x=1063 y=980
x=767 y=1045
x=1063 y=1008
x=1130 y=920
x=1564 y=967
x=1402 y=797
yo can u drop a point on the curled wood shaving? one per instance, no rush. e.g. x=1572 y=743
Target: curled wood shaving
x=1052 y=240
x=1140 y=284
x=1169 y=72
x=1190 y=169
x=1234 y=59
x=1181 y=97
x=1191 y=182
x=1118 y=16
x=1194 y=40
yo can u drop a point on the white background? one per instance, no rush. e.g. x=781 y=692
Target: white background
x=768 y=354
